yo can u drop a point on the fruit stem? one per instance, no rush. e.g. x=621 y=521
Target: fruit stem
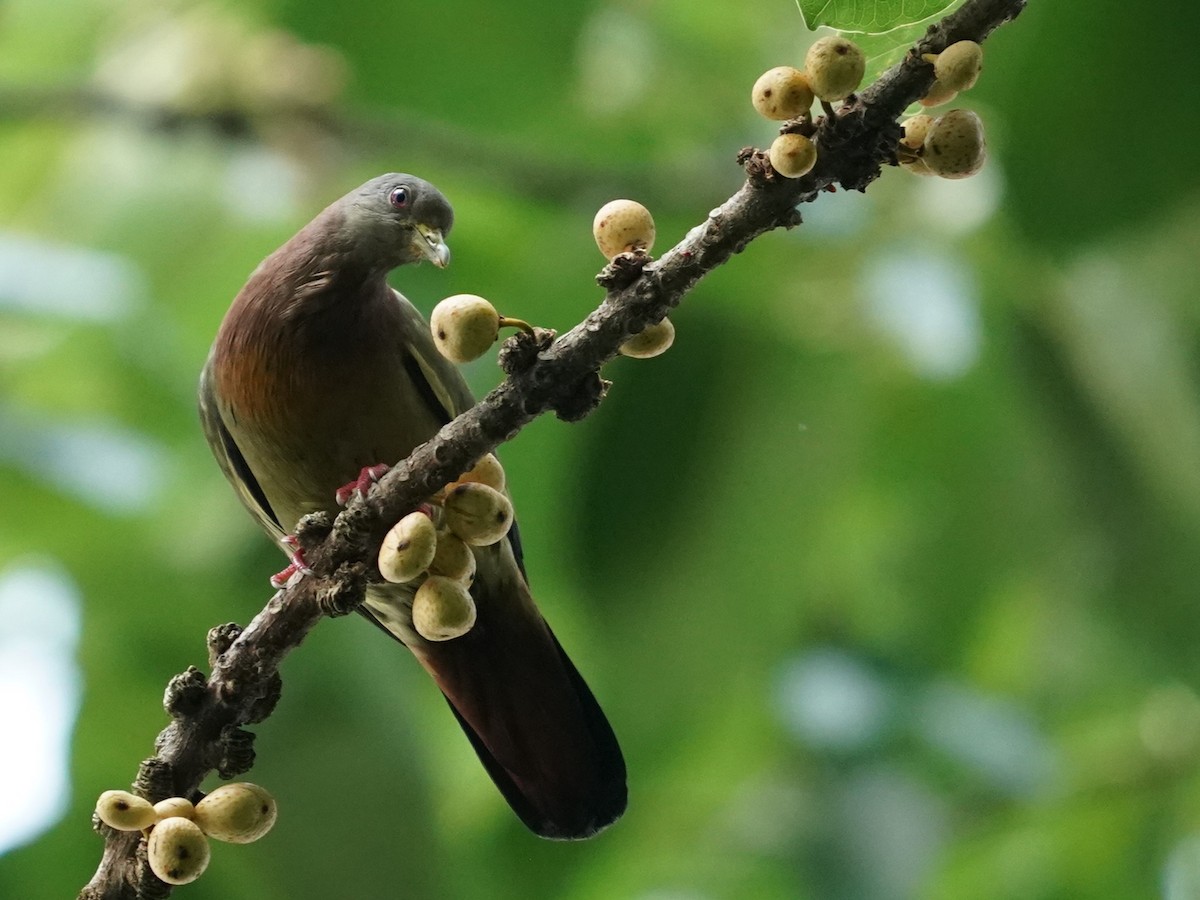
x=506 y=322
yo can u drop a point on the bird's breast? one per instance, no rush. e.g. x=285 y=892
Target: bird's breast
x=312 y=400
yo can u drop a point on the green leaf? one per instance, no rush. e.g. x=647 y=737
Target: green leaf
x=884 y=50
x=869 y=16
x=884 y=38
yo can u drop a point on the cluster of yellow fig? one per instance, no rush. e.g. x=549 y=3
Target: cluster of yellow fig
x=434 y=544
x=833 y=70
x=177 y=831
x=950 y=145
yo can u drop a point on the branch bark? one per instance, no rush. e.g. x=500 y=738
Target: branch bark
x=544 y=374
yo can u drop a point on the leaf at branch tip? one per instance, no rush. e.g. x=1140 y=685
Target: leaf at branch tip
x=885 y=47
x=870 y=16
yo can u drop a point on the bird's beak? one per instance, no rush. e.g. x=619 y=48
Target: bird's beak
x=432 y=245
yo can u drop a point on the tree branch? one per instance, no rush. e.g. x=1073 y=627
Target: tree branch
x=544 y=374
x=523 y=169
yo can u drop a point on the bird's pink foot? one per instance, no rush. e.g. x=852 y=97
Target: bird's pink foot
x=296 y=563
x=367 y=477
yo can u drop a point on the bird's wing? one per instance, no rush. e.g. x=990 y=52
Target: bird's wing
x=440 y=382
x=441 y=385
x=231 y=460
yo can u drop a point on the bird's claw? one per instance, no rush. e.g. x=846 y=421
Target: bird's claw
x=296 y=563
x=362 y=484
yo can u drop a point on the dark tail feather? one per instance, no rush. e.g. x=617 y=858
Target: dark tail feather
x=573 y=809
x=531 y=718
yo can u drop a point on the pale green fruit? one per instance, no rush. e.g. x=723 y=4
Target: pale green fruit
x=792 y=155
x=915 y=129
x=782 y=93
x=954 y=146
x=835 y=67
x=487 y=471
x=650 y=341
x=478 y=514
x=408 y=548
x=622 y=225
x=125 y=811
x=177 y=850
x=453 y=559
x=174 y=806
x=959 y=65
x=238 y=813
x=464 y=327
x=442 y=609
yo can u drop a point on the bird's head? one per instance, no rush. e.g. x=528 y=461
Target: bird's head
x=396 y=219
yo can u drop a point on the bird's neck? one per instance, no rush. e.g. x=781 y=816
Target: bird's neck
x=318 y=270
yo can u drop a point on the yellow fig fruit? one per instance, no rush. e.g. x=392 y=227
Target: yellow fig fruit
x=177 y=850
x=125 y=811
x=938 y=94
x=959 y=65
x=793 y=155
x=834 y=66
x=464 y=327
x=174 y=806
x=408 y=548
x=622 y=225
x=238 y=813
x=478 y=514
x=954 y=145
x=651 y=341
x=453 y=559
x=442 y=609
x=487 y=471
x=916 y=166
x=782 y=93
x=915 y=129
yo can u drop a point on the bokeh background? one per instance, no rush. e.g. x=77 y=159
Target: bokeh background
x=887 y=574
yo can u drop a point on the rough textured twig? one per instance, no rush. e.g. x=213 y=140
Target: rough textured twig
x=544 y=374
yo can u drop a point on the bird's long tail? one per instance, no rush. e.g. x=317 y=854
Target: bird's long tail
x=530 y=716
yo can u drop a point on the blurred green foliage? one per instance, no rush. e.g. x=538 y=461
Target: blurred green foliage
x=886 y=574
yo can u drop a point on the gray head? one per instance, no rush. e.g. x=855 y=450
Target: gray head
x=396 y=219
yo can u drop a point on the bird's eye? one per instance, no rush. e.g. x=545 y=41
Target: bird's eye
x=399 y=197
